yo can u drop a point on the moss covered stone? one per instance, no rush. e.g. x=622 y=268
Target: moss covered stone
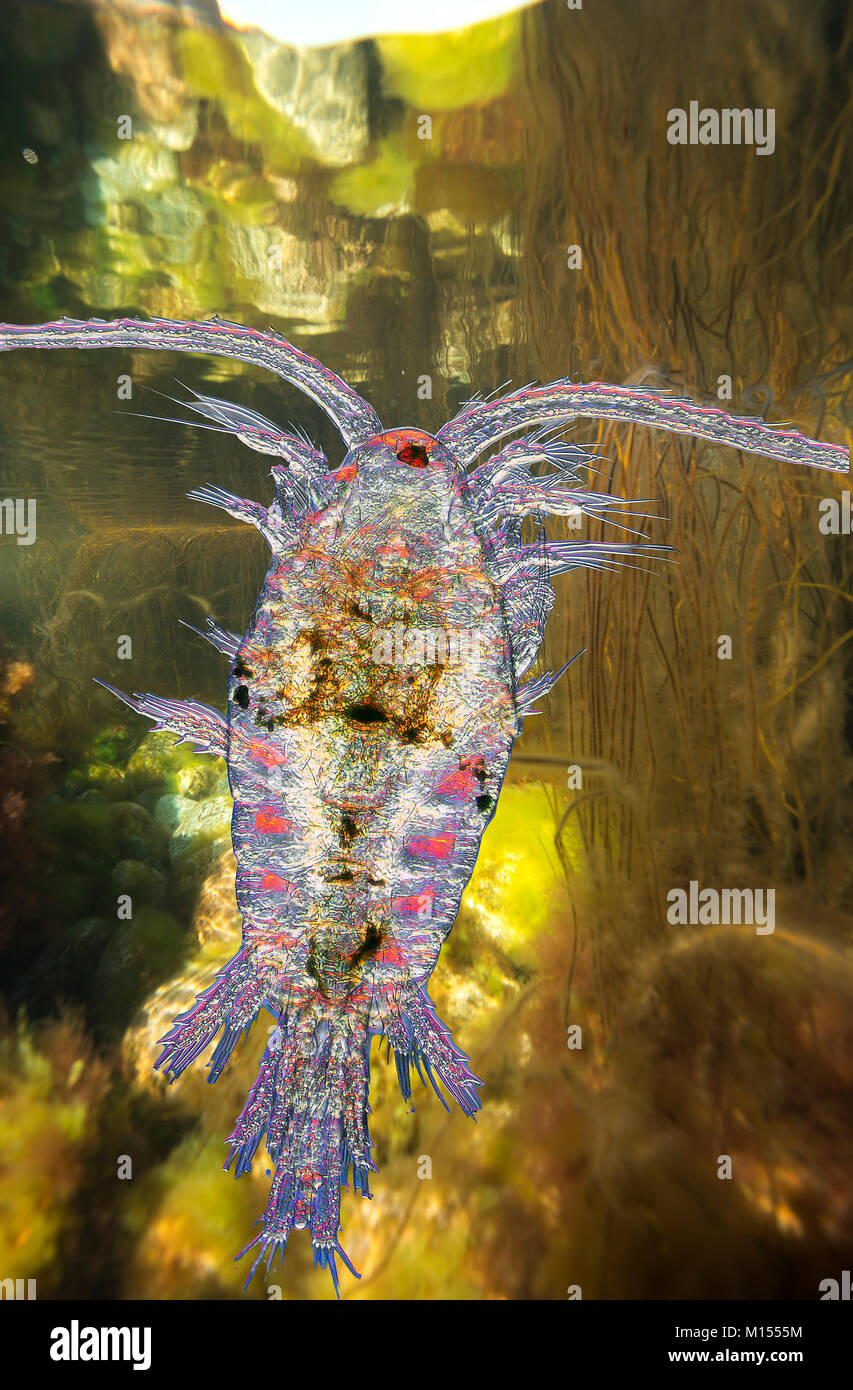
x=142 y=951
x=161 y=761
x=141 y=882
x=64 y=971
x=104 y=829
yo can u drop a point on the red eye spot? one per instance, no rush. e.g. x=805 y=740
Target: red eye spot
x=414 y=454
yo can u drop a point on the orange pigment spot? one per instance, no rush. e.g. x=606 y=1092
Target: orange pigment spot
x=345 y=474
x=461 y=783
x=262 y=752
x=404 y=439
x=439 y=846
x=418 y=905
x=268 y=822
x=271 y=883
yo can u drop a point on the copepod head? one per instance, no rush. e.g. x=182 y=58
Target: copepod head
x=404 y=454
x=392 y=498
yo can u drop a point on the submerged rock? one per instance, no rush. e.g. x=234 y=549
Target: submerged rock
x=139 y=166
x=200 y=837
x=64 y=970
x=104 y=828
x=323 y=92
x=160 y=761
x=164 y=1004
x=170 y=809
x=217 y=917
x=199 y=781
x=142 y=882
x=141 y=952
x=107 y=780
x=442 y=72
x=204 y=821
x=216 y=928
x=86 y=838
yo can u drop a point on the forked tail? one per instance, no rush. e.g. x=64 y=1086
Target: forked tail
x=311 y=1101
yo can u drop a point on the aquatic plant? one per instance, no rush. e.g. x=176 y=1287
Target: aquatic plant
x=51 y=1088
x=23 y=780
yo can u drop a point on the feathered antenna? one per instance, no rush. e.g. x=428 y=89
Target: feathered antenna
x=352 y=415
x=480 y=425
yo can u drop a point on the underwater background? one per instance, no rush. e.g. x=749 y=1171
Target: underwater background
x=297 y=188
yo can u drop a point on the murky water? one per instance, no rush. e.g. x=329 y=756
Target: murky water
x=434 y=217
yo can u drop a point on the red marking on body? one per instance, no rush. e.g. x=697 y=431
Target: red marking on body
x=417 y=905
x=269 y=822
x=467 y=781
x=476 y=763
x=457 y=784
x=394 y=548
x=272 y=883
x=438 y=846
x=263 y=752
x=405 y=439
x=260 y=939
x=344 y=474
x=390 y=955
